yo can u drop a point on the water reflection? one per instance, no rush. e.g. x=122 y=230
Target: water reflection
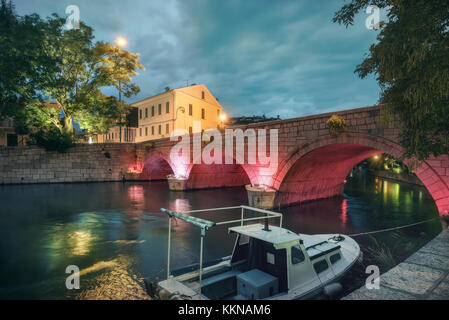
x=116 y=234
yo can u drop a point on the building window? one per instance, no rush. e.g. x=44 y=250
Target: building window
x=160 y=130
x=190 y=110
x=203 y=114
x=146 y=131
x=140 y=131
x=159 y=109
x=167 y=107
x=140 y=111
x=152 y=111
x=167 y=128
x=202 y=95
x=146 y=112
x=190 y=130
x=152 y=131
x=113 y=136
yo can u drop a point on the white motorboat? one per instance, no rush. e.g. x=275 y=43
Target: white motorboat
x=268 y=262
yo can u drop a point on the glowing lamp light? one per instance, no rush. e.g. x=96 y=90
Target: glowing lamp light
x=376 y=157
x=121 y=42
x=223 y=117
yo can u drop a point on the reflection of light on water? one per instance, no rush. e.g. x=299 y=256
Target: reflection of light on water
x=344 y=212
x=80 y=241
x=136 y=194
x=181 y=205
x=116 y=280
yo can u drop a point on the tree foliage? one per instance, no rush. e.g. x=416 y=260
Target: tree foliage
x=41 y=61
x=411 y=63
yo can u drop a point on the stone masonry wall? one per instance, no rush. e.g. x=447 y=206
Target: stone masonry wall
x=83 y=163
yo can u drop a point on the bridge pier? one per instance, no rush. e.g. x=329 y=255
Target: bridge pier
x=261 y=197
x=177 y=184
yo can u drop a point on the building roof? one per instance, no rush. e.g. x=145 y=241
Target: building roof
x=183 y=90
x=279 y=237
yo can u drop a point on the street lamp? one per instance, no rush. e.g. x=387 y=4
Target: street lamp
x=121 y=42
x=222 y=119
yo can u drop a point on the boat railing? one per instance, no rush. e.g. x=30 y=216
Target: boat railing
x=268 y=214
x=204 y=225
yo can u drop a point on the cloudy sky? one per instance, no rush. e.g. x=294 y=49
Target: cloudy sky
x=272 y=57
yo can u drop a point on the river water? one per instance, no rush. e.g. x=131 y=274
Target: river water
x=115 y=234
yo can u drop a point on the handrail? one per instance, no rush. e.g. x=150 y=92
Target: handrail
x=206 y=224
x=269 y=214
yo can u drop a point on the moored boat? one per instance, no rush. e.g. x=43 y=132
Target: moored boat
x=267 y=262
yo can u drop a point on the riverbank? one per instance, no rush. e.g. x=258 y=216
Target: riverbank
x=397 y=177
x=423 y=276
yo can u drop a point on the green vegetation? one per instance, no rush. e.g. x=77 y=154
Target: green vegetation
x=42 y=62
x=336 y=124
x=385 y=162
x=411 y=63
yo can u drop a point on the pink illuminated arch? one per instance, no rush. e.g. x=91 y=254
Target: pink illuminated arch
x=318 y=169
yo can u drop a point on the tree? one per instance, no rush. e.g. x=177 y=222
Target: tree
x=84 y=68
x=21 y=60
x=411 y=64
x=41 y=62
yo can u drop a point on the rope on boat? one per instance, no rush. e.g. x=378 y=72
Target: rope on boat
x=391 y=229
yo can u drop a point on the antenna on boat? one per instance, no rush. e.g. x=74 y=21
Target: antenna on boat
x=266 y=226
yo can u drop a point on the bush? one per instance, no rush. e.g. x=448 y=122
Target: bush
x=148 y=147
x=336 y=125
x=53 y=140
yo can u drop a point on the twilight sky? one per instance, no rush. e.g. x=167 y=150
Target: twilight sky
x=272 y=57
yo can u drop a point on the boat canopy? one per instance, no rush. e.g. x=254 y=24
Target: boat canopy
x=279 y=237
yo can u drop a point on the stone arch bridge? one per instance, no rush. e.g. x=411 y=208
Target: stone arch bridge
x=312 y=164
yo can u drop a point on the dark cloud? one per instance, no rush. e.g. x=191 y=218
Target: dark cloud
x=258 y=56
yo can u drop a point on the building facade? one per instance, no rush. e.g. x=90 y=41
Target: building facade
x=174 y=109
x=121 y=134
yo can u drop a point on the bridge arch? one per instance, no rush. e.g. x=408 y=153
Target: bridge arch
x=318 y=168
x=156 y=167
x=202 y=176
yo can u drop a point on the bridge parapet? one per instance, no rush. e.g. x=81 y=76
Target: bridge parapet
x=311 y=163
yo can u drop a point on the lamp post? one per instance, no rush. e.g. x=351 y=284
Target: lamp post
x=121 y=42
x=222 y=119
x=183 y=110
